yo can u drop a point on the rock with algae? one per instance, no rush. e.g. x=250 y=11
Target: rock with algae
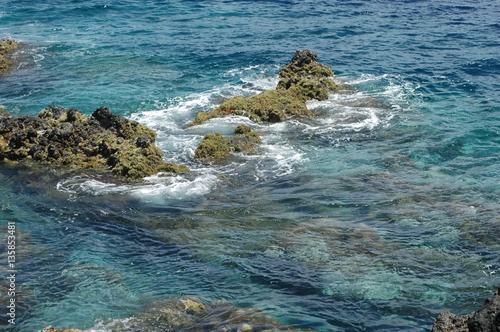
x=60 y=136
x=485 y=319
x=302 y=79
x=306 y=77
x=215 y=147
x=190 y=314
x=7 y=46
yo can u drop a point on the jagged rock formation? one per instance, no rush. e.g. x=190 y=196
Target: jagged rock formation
x=486 y=319
x=302 y=79
x=60 y=136
x=7 y=46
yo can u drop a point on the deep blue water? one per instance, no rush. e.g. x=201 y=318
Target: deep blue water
x=375 y=216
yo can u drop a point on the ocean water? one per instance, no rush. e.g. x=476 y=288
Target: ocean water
x=376 y=215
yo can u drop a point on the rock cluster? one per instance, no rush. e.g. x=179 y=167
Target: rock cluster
x=66 y=137
x=60 y=136
x=190 y=314
x=7 y=46
x=302 y=79
x=486 y=319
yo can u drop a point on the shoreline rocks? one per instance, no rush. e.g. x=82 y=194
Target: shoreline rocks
x=7 y=46
x=302 y=79
x=485 y=319
x=60 y=136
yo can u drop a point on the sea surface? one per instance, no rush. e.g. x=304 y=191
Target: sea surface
x=376 y=215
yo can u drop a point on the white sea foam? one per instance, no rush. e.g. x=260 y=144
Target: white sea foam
x=157 y=187
x=342 y=113
x=281 y=160
x=394 y=90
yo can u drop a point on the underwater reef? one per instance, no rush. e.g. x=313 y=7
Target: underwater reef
x=485 y=319
x=60 y=136
x=7 y=46
x=191 y=314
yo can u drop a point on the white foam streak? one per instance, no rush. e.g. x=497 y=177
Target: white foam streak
x=153 y=188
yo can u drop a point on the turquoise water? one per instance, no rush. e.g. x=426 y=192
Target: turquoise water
x=375 y=216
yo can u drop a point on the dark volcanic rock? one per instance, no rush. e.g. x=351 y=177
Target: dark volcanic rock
x=61 y=136
x=121 y=126
x=446 y=321
x=486 y=319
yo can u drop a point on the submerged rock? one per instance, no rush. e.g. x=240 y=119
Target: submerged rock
x=60 y=136
x=215 y=147
x=486 y=319
x=190 y=314
x=302 y=79
x=7 y=46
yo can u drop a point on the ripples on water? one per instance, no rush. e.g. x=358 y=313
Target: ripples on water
x=374 y=216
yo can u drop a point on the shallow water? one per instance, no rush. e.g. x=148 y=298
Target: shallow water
x=376 y=215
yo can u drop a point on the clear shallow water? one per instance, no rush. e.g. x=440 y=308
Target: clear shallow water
x=374 y=216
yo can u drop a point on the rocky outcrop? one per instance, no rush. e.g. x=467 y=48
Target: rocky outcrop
x=302 y=79
x=190 y=314
x=7 y=46
x=305 y=77
x=215 y=147
x=486 y=319
x=60 y=136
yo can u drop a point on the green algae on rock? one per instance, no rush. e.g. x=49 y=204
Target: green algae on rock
x=307 y=78
x=56 y=115
x=246 y=139
x=6 y=46
x=302 y=79
x=60 y=136
x=215 y=147
x=267 y=106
